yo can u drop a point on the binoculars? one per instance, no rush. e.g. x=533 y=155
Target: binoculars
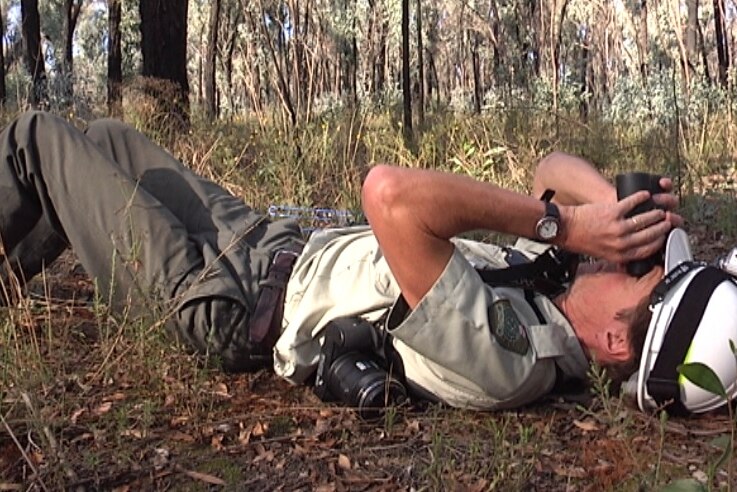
x=628 y=184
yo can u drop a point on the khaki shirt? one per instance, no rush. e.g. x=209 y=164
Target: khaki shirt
x=468 y=344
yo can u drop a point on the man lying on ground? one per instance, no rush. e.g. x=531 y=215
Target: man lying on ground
x=233 y=284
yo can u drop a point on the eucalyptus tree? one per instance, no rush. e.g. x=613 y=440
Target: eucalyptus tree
x=406 y=92
x=114 y=59
x=31 y=28
x=72 y=9
x=3 y=89
x=233 y=19
x=210 y=89
x=722 y=44
x=164 y=49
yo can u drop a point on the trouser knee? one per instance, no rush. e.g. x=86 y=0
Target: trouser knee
x=218 y=327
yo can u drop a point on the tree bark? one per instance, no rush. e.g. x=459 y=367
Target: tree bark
x=420 y=69
x=477 y=95
x=692 y=27
x=33 y=51
x=721 y=41
x=380 y=79
x=164 y=49
x=642 y=42
x=406 y=86
x=71 y=9
x=3 y=90
x=211 y=110
x=114 y=60
x=234 y=16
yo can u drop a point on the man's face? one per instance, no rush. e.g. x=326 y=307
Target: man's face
x=601 y=291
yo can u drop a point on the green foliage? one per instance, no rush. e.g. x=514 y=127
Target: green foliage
x=703 y=376
x=685 y=485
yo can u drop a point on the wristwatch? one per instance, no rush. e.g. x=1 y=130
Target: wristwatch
x=548 y=227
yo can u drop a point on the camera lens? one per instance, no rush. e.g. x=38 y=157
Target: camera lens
x=358 y=381
x=628 y=184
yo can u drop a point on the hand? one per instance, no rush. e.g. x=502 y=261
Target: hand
x=601 y=230
x=668 y=201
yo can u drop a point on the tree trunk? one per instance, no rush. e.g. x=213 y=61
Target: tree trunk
x=692 y=27
x=211 y=110
x=704 y=55
x=300 y=33
x=380 y=79
x=281 y=76
x=642 y=42
x=721 y=41
x=71 y=9
x=114 y=60
x=164 y=49
x=477 y=95
x=3 y=90
x=406 y=86
x=234 y=16
x=420 y=69
x=33 y=52
x=494 y=21
x=583 y=107
x=556 y=41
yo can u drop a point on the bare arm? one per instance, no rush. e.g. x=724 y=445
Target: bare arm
x=574 y=180
x=415 y=212
x=577 y=182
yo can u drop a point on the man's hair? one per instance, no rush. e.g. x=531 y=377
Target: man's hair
x=638 y=319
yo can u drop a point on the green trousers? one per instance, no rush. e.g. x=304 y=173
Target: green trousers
x=155 y=236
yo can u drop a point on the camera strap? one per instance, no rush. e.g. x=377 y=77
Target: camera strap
x=548 y=274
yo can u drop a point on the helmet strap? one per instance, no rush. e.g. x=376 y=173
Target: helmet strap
x=662 y=382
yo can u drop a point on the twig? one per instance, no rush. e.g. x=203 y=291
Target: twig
x=23 y=453
x=49 y=438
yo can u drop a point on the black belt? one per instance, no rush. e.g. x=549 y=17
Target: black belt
x=265 y=325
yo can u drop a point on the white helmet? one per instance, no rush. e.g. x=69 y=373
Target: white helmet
x=694 y=318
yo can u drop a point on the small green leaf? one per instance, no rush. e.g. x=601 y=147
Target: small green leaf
x=722 y=442
x=733 y=347
x=703 y=376
x=684 y=485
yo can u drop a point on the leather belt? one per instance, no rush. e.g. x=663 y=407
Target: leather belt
x=265 y=325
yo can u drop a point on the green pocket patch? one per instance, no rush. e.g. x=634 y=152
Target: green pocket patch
x=506 y=327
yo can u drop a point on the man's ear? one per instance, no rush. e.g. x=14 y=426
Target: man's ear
x=617 y=343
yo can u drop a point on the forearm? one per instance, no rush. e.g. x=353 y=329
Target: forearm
x=446 y=205
x=574 y=180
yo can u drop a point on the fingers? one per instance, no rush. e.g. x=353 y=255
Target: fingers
x=666 y=184
x=625 y=205
x=667 y=201
x=646 y=235
x=644 y=220
x=675 y=219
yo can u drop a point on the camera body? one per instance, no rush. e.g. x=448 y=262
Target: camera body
x=351 y=371
x=628 y=184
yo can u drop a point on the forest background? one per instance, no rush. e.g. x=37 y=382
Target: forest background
x=289 y=103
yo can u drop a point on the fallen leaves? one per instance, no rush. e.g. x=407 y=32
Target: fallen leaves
x=588 y=425
x=344 y=462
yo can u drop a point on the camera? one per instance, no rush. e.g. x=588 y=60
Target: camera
x=350 y=369
x=628 y=184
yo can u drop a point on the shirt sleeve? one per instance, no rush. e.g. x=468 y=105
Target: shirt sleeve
x=469 y=343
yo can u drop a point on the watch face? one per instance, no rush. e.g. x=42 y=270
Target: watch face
x=547 y=228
